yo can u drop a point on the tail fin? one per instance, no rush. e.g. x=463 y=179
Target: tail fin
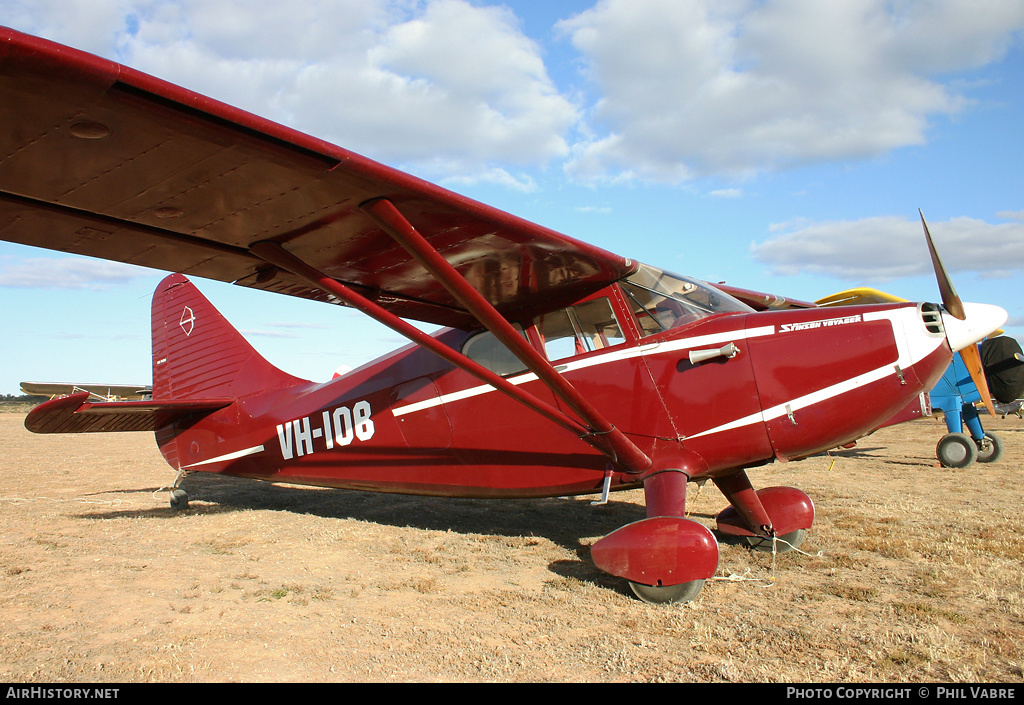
x=197 y=354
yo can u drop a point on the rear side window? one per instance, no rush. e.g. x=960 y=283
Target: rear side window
x=579 y=329
x=490 y=352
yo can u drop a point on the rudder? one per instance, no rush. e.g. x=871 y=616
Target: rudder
x=198 y=354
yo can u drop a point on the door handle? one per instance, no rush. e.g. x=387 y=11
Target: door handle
x=727 y=351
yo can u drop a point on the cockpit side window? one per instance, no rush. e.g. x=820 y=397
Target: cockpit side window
x=579 y=329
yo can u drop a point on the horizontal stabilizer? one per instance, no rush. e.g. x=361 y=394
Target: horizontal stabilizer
x=76 y=414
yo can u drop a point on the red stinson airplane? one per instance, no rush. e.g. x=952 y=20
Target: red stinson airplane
x=561 y=369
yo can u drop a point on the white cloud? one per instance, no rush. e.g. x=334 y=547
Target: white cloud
x=736 y=87
x=66 y=273
x=485 y=175
x=90 y=26
x=293 y=324
x=258 y=333
x=727 y=193
x=454 y=86
x=880 y=249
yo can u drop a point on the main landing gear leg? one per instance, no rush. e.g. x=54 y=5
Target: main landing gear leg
x=665 y=557
x=772 y=519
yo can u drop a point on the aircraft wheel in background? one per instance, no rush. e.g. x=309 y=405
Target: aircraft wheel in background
x=667 y=594
x=179 y=500
x=956 y=450
x=784 y=543
x=991 y=449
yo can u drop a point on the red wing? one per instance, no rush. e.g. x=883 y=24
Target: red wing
x=102 y=160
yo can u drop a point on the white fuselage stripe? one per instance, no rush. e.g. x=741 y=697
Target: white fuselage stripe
x=229 y=456
x=911 y=345
x=616 y=356
x=798 y=403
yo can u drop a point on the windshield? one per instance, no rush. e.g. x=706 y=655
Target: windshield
x=662 y=300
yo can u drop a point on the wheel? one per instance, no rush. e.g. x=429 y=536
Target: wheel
x=667 y=594
x=991 y=449
x=783 y=544
x=956 y=450
x=179 y=500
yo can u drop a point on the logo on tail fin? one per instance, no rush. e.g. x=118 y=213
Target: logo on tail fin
x=188 y=321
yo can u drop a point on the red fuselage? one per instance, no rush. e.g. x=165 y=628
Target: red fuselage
x=802 y=382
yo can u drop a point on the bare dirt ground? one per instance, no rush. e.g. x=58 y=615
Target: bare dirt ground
x=911 y=573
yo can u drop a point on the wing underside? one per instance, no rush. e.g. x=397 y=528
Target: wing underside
x=102 y=160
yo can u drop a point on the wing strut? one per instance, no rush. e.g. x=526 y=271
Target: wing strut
x=604 y=442
x=623 y=451
x=275 y=254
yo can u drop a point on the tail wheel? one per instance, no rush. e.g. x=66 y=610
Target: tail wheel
x=179 y=500
x=667 y=594
x=956 y=450
x=990 y=449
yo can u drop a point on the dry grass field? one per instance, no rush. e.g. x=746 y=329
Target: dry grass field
x=912 y=573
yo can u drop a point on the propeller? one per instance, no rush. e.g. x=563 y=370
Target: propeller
x=955 y=307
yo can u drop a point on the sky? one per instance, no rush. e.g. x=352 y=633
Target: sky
x=777 y=145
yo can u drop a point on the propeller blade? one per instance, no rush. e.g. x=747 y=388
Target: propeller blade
x=955 y=307
x=972 y=361
x=950 y=301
